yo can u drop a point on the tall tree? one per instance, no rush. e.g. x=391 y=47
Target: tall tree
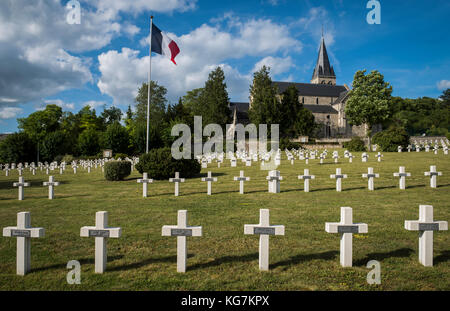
x=368 y=102
x=116 y=138
x=265 y=107
x=111 y=115
x=214 y=99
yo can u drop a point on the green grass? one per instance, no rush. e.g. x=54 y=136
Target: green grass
x=306 y=258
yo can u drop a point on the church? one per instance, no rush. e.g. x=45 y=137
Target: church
x=322 y=96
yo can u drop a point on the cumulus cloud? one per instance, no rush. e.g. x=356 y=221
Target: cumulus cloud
x=94 y=104
x=277 y=65
x=202 y=50
x=57 y=102
x=137 y=6
x=443 y=85
x=9 y=112
x=37 y=48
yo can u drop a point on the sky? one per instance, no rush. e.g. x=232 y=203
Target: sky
x=103 y=61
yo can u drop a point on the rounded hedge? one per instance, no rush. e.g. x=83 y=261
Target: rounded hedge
x=117 y=170
x=355 y=145
x=390 y=139
x=159 y=165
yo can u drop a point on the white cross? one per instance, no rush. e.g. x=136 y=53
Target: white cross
x=370 y=175
x=379 y=156
x=338 y=176
x=274 y=181
x=426 y=225
x=306 y=177
x=204 y=163
x=101 y=232
x=233 y=162
x=346 y=228
x=264 y=230
x=248 y=162
x=181 y=231
x=6 y=171
x=306 y=159
x=21 y=184
x=74 y=166
x=23 y=232
x=402 y=175
x=176 y=180
x=335 y=157
x=364 y=157
x=209 y=179
x=350 y=158
x=241 y=180
x=322 y=157
x=20 y=170
x=432 y=173
x=50 y=183
x=144 y=181
x=399 y=149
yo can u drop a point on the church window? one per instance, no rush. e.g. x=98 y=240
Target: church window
x=317 y=100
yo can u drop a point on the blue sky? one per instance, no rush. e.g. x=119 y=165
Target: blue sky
x=104 y=60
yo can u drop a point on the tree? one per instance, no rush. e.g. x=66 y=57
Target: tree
x=265 y=107
x=54 y=144
x=295 y=119
x=191 y=101
x=89 y=142
x=368 y=101
x=157 y=103
x=214 y=99
x=445 y=97
x=18 y=147
x=116 y=138
x=38 y=124
x=89 y=120
x=111 y=115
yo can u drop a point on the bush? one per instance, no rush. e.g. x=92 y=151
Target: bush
x=285 y=143
x=68 y=158
x=117 y=170
x=355 y=145
x=120 y=155
x=159 y=164
x=390 y=139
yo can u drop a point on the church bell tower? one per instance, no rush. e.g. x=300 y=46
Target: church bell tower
x=323 y=72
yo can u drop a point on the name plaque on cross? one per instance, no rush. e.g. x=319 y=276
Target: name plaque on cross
x=21 y=233
x=264 y=230
x=428 y=227
x=348 y=229
x=99 y=233
x=180 y=232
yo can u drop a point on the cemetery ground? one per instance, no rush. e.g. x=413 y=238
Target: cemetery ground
x=306 y=258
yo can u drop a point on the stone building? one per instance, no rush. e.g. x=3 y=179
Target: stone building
x=322 y=96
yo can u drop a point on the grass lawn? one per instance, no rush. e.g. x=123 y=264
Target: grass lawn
x=306 y=258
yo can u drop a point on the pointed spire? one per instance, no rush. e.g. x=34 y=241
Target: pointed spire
x=323 y=69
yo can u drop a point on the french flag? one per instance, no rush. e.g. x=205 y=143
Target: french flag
x=162 y=44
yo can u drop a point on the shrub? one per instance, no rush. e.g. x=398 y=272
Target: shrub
x=117 y=170
x=68 y=158
x=355 y=145
x=390 y=139
x=159 y=164
x=120 y=155
x=286 y=143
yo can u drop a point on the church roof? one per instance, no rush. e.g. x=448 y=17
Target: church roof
x=311 y=89
x=323 y=68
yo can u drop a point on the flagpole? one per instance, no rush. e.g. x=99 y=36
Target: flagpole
x=149 y=82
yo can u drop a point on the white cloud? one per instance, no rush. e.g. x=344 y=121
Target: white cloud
x=94 y=104
x=443 y=85
x=202 y=50
x=9 y=112
x=58 y=102
x=277 y=64
x=312 y=24
x=138 y=6
x=37 y=46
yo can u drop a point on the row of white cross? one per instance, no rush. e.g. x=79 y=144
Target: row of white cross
x=346 y=228
x=274 y=179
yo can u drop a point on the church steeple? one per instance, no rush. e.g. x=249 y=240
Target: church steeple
x=323 y=72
